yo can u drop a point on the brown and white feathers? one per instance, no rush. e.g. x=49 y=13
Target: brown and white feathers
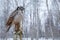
x=15 y=16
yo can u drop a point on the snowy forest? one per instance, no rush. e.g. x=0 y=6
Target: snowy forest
x=41 y=19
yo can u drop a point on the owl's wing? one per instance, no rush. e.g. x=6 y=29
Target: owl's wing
x=10 y=20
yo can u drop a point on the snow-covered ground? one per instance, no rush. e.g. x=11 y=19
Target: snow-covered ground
x=30 y=39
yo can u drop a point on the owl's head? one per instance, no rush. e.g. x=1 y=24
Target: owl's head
x=20 y=8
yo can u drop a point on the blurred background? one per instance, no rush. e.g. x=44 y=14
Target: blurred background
x=41 y=19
